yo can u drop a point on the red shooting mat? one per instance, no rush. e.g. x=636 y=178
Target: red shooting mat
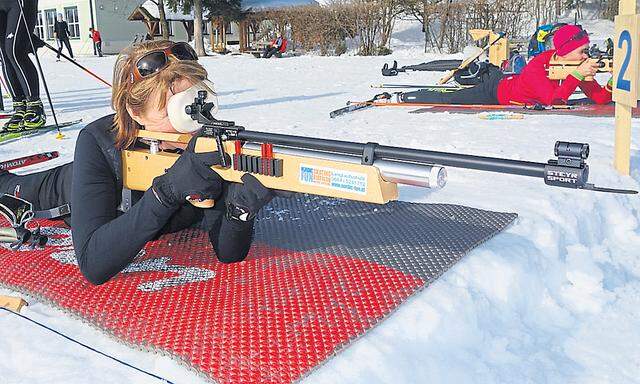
x=317 y=277
x=584 y=110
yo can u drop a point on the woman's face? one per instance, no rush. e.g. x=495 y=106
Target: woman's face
x=156 y=119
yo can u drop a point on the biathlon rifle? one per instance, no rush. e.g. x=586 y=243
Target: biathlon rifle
x=560 y=69
x=367 y=172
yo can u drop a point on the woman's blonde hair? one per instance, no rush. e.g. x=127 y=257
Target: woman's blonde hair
x=136 y=95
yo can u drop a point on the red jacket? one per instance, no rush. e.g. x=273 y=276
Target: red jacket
x=532 y=86
x=283 y=45
x=95 y=36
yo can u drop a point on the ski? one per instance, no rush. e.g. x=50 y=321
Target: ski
x=355 y=106
x=26 y=161
x=385 y=100
x=576 y=107
x=12 y=136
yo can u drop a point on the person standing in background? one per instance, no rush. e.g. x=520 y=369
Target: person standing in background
x=17 y=20
x=61 y=33
x=97 y=41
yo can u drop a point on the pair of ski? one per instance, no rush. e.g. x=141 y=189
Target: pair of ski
x=580 y=107
x=385 y=100
x=9 y=136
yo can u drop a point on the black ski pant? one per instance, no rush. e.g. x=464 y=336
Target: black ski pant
x=484 y=93
x=269 y=51
x=17 y=67
x=45 y=190
x=97 y=47
x=67 y=44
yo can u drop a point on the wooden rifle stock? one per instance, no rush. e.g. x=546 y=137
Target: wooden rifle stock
x=286 y=168
x=559 y=69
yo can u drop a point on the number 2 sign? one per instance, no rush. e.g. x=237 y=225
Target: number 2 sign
x=626 y=60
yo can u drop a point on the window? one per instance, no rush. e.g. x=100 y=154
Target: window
x=170 y=24
x=50 y=18
x=227 y=28
x=206 y=25
x=71 y=14
x=40 y=26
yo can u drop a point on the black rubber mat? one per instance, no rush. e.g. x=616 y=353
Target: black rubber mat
x=421 y=239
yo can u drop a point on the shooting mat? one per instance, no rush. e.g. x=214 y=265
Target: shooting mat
x=321 y=272
x=583 y=110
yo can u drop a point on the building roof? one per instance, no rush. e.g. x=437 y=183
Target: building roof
x=150 y=10
x=260 y=5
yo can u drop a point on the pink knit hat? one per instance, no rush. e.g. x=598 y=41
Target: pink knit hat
x=568 y=38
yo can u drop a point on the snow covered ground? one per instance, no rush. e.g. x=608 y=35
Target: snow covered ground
x=553 y=299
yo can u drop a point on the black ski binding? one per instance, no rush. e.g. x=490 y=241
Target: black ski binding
x=19 y=213
x=393 y=71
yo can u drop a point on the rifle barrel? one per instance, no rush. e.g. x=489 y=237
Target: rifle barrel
x=482 y=163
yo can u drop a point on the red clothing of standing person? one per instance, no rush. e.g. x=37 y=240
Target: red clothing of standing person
x=97 y=41
x=95 y=36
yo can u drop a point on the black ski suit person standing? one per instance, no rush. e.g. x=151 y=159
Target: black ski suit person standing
x=17 y=67
x=146 y=76
x=61 y=32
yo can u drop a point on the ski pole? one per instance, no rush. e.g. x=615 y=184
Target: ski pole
x=45 y=44
x=44 y=81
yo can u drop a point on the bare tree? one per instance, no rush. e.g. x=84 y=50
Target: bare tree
x=164 y=24
x=446 y=22
x=197 y=28
x=186 y=6
x=389 y=12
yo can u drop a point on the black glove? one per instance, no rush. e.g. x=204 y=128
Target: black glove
x=245 y=200
x=190 y=176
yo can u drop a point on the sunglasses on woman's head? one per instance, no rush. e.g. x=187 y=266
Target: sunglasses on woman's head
x=578 y=36
x=154 y=61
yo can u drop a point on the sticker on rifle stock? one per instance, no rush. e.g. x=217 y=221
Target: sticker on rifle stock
x=352 y=182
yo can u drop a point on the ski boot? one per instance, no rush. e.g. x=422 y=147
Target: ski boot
x=34 y=116
x=15 y=122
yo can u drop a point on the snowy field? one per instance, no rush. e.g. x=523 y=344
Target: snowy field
x=553 y=299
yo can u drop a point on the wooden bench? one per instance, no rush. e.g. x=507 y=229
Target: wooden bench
x=258 y=49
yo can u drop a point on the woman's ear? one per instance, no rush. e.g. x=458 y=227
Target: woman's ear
x=135 y=116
